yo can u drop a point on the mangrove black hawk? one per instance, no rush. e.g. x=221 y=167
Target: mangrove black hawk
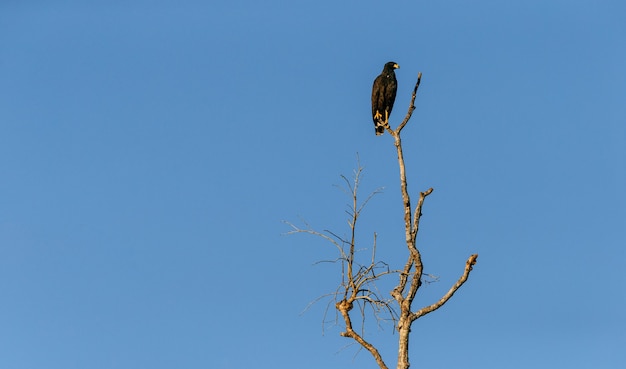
x=383 y=96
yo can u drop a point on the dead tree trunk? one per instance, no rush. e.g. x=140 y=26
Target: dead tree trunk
x=357 y=286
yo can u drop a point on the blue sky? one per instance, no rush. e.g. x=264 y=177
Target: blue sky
x=149 y=152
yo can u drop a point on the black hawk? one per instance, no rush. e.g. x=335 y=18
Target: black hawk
x=383 y=96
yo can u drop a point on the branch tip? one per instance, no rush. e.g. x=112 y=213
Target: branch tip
x=471 y=261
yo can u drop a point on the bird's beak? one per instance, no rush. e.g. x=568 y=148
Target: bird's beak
x=396 y=66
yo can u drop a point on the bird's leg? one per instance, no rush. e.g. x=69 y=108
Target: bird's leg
x=387 y=119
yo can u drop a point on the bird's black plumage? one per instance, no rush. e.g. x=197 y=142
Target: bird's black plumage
x=383 y=96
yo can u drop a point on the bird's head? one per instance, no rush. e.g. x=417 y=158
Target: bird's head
x=391 y=65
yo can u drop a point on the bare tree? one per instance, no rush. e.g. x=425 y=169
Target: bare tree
x=358 y=280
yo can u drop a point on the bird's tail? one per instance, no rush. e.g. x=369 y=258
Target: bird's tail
x=379 y=126
x=380 y=121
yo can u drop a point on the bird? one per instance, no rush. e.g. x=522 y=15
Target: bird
x=383 y=96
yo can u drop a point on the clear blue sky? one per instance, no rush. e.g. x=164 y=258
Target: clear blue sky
x=150 y=150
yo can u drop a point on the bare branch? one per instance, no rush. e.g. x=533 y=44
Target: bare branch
x=411 y=105
x=316 y=301
x=418 y=212
x=315 y=233
x=344 y=308
x=468 y=268
x=374 y=193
